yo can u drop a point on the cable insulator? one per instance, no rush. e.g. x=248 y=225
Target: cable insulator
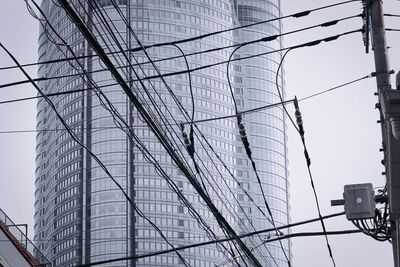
x=242 y=131
x=186 y=140
x=299 y=119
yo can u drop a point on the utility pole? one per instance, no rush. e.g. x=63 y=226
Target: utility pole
x=389 y=103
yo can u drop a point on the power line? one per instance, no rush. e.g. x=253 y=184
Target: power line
x=246 y=144
x=225 y=240
x=391 y=15
x=196 y=121
x=294 y=15
x=160 y=170
x=169 y=89
x=116 y=40
x=310 y=43
x=308 y=162
x=78 y=141
x=336 y=87
x=300 y=130
x=162 y=139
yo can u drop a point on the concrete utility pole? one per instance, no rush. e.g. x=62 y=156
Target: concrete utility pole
x=389 y=101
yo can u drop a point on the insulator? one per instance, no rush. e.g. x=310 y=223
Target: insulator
x=186 y=139
x=242 y=130
x=298 y=117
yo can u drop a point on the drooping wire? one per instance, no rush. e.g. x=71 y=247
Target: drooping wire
x=241 y=236
x=98 y=161
x=246 y=144
x=117 y=30
x=139 y=212
x=116 y=6
x=327 y=39
x=294 y=15
x=196 y=121
x=299 y=121
x=300 y=130
x=154 y=128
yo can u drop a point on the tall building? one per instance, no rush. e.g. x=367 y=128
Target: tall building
x=81 y=216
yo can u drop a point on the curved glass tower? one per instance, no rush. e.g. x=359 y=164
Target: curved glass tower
x=81 y=215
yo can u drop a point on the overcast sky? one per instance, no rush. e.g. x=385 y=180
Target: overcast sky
x=341 y=130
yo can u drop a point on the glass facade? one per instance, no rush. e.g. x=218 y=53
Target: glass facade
x=81 y=215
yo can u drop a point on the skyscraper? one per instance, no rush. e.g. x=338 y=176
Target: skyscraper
x=81 y=215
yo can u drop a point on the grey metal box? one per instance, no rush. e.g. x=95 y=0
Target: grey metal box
x=359 y=201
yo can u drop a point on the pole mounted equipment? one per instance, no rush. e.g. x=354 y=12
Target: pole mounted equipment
x=358 y=201
x=389 y=101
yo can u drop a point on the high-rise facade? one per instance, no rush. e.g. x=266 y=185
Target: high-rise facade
x=81 y=215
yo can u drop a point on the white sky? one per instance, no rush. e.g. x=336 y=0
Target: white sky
x=342 y=135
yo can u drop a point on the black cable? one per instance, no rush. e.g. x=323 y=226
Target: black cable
x=76 y=139
x=263 y=231
x=391 y=15
x=228 y=239
x=116 y=41
x=96 y=46
x=308 y=162
x=239 y=118
x=336 y=87
x=196 y=121
x=300 y=130
x=169 y=89
x=315 y=42
x=279 y=91
x=167 y=86
x=294 y=15
x=138 y=211
x=246 y=144
x=186 y=141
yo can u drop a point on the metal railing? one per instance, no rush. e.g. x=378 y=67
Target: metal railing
x=22 y=239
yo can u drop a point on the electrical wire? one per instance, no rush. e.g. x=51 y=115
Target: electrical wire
x=391 y=15
x=130 y=201
x=314 y=42
x=76 y=139
x=115 y=5
x=116 y=40
x=246 y=144
x=196 y=121
x=263 y=231
x=308 y=162
x=294 y=15
x=299 y=128
x=241 y=236
x=163 y=81
x=151 y=123
x=204 y=120
x=241 y=126
x=336 y=87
